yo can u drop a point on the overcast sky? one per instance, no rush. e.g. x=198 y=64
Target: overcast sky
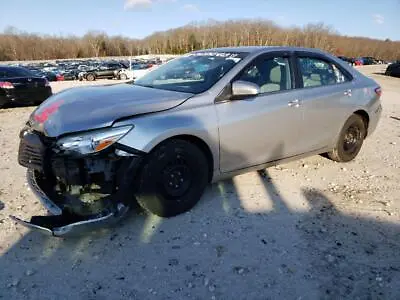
x=139 y=18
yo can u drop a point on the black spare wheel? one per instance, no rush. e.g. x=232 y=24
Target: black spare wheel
x=350 y=140
x=172 y=179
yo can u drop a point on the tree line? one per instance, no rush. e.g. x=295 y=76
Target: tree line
x=17 y=45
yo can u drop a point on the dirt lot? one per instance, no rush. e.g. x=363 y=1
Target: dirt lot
x=311 y=229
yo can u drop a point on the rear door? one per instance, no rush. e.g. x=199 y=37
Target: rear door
x=265 y=127
x=109 y=70
x=102 y=71
x=325 y=89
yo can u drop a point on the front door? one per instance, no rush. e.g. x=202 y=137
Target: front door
x=265 y=127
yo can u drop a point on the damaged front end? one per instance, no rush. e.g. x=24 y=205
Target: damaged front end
x=85 y=181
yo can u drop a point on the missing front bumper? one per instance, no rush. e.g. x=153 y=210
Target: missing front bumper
x=51 y=226
x=62 y=223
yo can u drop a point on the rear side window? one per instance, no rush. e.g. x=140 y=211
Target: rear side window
x=270 y=74
x=317 y=72
x=113 y=66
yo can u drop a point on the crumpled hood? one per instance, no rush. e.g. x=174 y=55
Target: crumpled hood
x=94 y=107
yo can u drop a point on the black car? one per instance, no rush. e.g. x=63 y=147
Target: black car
x=105 y=70
x=20 y=86
x=368 y=60
x=349 y=60
x=393 y=69
x=70 y=74
x=50 y=76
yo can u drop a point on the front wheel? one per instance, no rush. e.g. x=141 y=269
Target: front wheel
x=172 y=179
x=350 y=140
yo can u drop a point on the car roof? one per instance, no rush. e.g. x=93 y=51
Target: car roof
x=260 y=49
x=4 y=67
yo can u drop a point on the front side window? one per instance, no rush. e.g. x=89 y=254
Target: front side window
x=318 y=72
x=193 y=73
x=270 y=74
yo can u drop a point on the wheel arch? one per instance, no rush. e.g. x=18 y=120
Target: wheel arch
x=91 y=73
x=364 y=115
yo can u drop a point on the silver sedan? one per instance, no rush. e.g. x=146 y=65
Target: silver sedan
x=202 y=117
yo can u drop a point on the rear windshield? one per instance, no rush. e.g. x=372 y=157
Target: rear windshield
x=15 y=72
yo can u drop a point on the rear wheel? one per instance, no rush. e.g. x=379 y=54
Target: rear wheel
x=123 y=76
x=90 y=77
x=350 y=140
x=172 y=179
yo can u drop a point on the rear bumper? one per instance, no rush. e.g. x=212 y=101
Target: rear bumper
x=13 y=97
x=375 y=113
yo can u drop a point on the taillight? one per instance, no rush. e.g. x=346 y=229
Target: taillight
x=6 y=85
x=378 y=91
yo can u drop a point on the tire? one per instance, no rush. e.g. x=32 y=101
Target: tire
x=350 y=140
x=90 y=77
x=172 y=178
x=123 y=76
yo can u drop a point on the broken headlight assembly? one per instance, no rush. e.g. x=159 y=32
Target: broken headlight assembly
x=81 y=185
x=93 y=141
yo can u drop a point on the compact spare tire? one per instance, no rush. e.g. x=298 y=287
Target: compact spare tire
x=350 y=140
x=172 y=178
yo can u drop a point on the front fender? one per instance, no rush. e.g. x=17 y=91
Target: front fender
x=150 y=130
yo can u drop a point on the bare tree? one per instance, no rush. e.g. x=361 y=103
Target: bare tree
x=17 y=45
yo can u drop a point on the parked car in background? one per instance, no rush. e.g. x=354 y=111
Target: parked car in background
x=136 y=71
x=49 y=75
x=105 y=70
x=20 y=86
x=349 y=60
x=160 y=140
x=393 y=69
x=368 y=60
x=69 y=73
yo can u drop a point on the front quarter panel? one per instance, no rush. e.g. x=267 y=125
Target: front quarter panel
x=196 y=117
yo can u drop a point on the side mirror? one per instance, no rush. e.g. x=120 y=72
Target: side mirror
x=242 y=89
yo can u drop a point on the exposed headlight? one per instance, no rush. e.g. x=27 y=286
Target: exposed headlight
x=92 y=142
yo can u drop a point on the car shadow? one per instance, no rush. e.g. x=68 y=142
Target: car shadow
x=248 y=238
x=395 y=118
x=19 y=105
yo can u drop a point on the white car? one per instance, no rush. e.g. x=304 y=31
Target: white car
x=126 y=74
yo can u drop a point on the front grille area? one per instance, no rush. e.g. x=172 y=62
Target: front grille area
x=31 y=152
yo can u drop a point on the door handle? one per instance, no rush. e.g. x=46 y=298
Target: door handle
x=347 y=93
x=294 y=103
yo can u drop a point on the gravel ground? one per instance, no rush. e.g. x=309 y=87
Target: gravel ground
x=311 y=229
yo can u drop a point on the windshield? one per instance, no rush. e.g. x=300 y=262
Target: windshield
x=193 y=73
